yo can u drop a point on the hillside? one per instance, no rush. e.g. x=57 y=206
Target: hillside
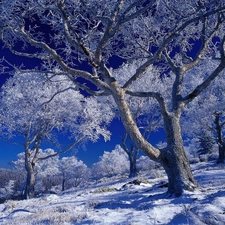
x=126 y=201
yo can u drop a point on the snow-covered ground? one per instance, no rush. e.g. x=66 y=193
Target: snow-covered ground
x=124 y=202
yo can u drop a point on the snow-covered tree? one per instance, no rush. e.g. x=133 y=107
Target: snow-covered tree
x=205 y=144
x=7 y=191
x=176 y=36
x=132 y=152
x=74 y=172
x=7 y=175
x=111 y=163
x=37 y=108
x=42 y=169
x=69 y=171
x=204 y=119
x=144 y=163
x=10 y=184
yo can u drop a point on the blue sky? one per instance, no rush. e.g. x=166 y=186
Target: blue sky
x=89 y=155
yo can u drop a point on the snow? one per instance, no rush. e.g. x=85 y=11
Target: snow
x=125 y=202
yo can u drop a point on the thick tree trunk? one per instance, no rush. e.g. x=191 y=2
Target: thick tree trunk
x=30 y=182
x=174 y=159
x=179 y=174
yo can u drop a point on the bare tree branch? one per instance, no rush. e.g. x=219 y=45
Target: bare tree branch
x=210 y=78
x=154 y=95
x=168 y=38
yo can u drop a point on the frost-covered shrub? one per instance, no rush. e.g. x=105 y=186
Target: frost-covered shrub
x=111 y=164
x=10 y=184
x=208 y=157
x=8 y=190
x=201 y=149
x=73 y=172
x=144 y=164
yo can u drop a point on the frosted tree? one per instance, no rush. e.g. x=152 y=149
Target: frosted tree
x=83 y=38
x=132 y=152
x=45 y=169
x=10 y=184
x=147 y=166
x=112 y=163
x=74 y=172
x=70 y=171
x=7 y=175
x=144 y=164
x=37 y=108
x=8 y=190
x=205 y=144
x=41 y=169
x=208 y=120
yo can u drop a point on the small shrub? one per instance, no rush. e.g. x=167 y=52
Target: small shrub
x=103 y=189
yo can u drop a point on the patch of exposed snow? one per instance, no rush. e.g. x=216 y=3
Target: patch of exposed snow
x=126 y=202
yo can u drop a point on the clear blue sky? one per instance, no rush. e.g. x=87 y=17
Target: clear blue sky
x=89 y=155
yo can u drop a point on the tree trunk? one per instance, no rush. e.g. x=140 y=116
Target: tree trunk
x=30 y=182
x=132 y=153
x=174 y=159
x=219 y=138
x=221 y=154
x=63 y=182
x=133 y=166
x=179 y=174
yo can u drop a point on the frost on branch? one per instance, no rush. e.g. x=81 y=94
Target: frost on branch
x=32 y=99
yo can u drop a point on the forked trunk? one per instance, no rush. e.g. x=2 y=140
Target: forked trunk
x=172 y=158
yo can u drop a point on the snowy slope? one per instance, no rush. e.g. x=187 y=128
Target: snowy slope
x=123 y=202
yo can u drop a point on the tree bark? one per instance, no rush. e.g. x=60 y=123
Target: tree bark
x=29 y=166
x=30 y=182
x=221 y=154
x=132 y=153
x=133 y=166
x=174 y=159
